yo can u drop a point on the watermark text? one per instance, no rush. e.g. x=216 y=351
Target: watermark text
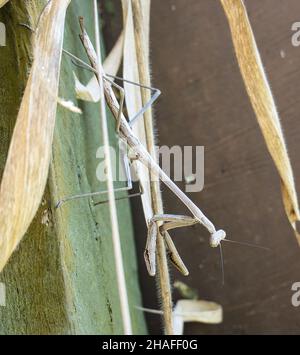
x=2 y=295
x=296 y=294
x=181 y=164
x=2 y=35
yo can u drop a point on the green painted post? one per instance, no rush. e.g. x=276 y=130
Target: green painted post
x=62 y=279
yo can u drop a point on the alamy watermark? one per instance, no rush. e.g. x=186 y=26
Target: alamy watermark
x=296 y=35
x=2 y=35
x=2 y=294
x=181 y=164
x=296 y=295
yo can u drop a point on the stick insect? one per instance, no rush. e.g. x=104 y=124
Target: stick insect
x=123 y=128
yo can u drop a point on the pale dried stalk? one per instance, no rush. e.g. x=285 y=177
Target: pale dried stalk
x=27 y=164
x=262 y=101
x=3 y=2
x=120 y=272
x=134 y=103
x=141 y=11
x=151 y=199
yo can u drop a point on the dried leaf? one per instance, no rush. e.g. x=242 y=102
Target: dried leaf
x=195 y=311
x=3 y=2
x=262 y=101
x=69 y=105
x=185 y=290
x=112 y=62
x=89 y=92
x=27 y=165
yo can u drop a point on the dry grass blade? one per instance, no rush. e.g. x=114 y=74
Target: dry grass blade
x=112 y=62
x=196 y=311
x=141 y=15
x=3 y=2
x=26 y=169
x=69 y=105
x=120 y=272
x=134 y=103
x=262 y=101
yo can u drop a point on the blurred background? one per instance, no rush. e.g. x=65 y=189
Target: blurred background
x=204 y=103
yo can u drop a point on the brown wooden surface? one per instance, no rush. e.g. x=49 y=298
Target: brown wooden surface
x=204 y=103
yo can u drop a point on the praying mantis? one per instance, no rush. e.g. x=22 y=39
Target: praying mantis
x=124 y=131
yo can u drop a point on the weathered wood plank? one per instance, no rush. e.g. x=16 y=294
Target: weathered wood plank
x=62 y=279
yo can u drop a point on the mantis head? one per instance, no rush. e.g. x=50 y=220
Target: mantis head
x=216 y=238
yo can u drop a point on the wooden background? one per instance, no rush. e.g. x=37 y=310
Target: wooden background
x=204 y=103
